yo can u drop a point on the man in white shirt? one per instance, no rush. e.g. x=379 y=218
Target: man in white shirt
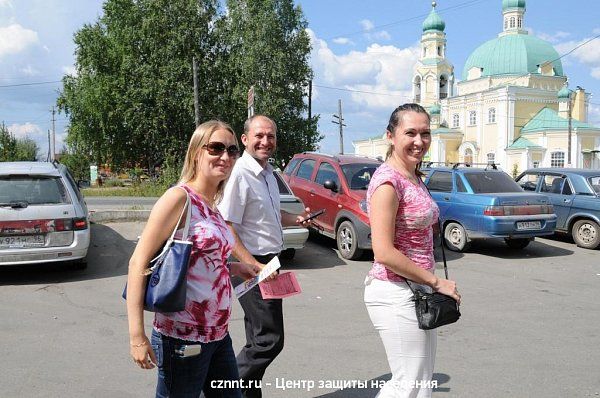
x=251 y=207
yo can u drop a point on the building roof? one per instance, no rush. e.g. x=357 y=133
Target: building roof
x=445 y=130
x=513 y=54
x=564 y=93
x=506 y=4
x=522 y=143
x=433 y=21
x=434 y=109
x=548 y=119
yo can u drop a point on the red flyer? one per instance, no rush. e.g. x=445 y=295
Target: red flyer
x=284 y=285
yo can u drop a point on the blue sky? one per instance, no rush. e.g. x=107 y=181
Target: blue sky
x=361 y=46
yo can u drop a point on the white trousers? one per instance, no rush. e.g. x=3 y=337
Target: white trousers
x=410 y=350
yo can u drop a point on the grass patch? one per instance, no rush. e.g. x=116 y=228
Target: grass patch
x=143 y=190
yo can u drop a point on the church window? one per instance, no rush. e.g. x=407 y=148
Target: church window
x=557 y=159
x=424 y=52
x=505 y=23
x=440 y=51
x=472 y=118
x=512 y=22
x=492 y=115
x=468 y=156
x=455 y=120
x=519 y=22
x=491 y=158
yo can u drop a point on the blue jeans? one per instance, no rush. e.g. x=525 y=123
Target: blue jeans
x=212 y=371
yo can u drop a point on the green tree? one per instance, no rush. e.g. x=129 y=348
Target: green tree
x=131 y=100
x=266 y=45
x=16 y=149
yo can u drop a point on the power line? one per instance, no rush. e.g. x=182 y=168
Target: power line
x=30 y=84
x=410 y=19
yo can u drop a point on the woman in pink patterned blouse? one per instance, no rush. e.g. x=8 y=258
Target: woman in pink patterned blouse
x=402 y=215
x=192 y=347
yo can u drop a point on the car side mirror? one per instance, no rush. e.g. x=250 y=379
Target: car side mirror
x=331 y=185
x=83 y=184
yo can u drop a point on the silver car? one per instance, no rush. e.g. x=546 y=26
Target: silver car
x=293 y=237
x=43 y=217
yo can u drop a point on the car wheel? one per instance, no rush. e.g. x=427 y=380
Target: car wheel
x=586 y=234
x=456 y=238
x=347 y=241
x=517 y=244
x=287 y=254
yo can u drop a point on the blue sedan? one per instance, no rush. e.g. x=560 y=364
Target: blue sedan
x=478 y=203
x=575 y=194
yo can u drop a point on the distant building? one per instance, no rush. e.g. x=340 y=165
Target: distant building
x=511 y=107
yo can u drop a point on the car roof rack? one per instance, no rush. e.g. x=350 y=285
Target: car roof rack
x=493 y=166
x=429 y=164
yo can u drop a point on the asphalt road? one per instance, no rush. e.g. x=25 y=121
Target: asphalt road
x=530 y=326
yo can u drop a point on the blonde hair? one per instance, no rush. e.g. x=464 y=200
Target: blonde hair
x=201 y=137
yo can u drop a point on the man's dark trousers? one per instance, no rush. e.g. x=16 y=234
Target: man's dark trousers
x=264 y=336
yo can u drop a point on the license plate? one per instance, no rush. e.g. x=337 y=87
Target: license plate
x=17 y=241
x=522 y=225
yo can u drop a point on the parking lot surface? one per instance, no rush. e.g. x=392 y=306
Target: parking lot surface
x=530 y=325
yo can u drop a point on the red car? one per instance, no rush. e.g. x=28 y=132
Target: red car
x=338 y=184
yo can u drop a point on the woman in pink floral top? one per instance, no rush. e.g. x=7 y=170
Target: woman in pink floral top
x=191 y=347
x=402 y=214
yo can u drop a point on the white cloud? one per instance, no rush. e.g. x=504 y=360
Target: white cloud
x=588 y=54
x=14 y=38
x=6 y=3
x=30 y=71
x=594 y=114
x=28 y=130
x=343 y=40
x=367 y=25
x=69 y=70
x=380 y=35
x=554 y=37
x=382 y=72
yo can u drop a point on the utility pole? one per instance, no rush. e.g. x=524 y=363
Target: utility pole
x=196 y=101
x=49 y=147
x=340 y=121
x=310 y=99
x=569 y=117
x=53 y=149
x=251 y=101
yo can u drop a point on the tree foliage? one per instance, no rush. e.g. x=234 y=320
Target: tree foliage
x=16 y=149
x=131 y=100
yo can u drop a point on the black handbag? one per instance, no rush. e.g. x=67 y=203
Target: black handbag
x=166 y=285
x=435 y=309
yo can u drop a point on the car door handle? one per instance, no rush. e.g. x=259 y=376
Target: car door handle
x=312 y=192
x=566 y=200
x=446 y=198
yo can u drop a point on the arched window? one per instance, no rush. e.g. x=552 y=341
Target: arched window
x=417 y=89
x=492 y=115
x=440 y=51
x=472 y=118
x=557 y=159
x=491 y=158
x=468 y=156
x=519 y=22
x=505 y=23
x=443 y=87
x=424 y=52
x=512 y=22
x=455 y=120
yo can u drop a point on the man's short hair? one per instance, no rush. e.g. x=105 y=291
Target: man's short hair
x=249 y=121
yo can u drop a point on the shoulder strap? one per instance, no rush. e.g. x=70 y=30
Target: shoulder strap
x=441 y=244
x=185 y=228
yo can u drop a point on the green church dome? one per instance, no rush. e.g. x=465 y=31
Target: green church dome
x=433 y=21
x=434 y=109
x=564 y=93
x=513 y=54
x=512 y=4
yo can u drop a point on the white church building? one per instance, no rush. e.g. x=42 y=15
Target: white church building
x=512 y=105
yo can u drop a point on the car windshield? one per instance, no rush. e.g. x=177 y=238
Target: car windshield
x=34 y=190
x=358 y=175
x=595 y=184
x=492 y=182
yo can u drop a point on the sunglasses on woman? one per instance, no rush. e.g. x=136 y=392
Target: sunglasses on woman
x=216 y=148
